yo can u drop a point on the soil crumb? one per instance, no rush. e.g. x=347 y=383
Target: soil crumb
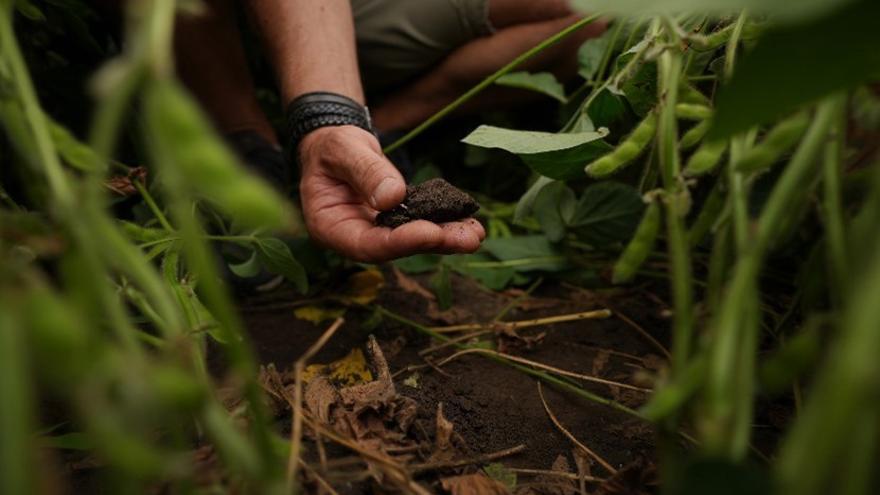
x=434 y=200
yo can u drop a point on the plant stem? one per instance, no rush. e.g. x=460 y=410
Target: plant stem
x=151 y=203
x=485 y=83
x=675 y=205
x=833 y=207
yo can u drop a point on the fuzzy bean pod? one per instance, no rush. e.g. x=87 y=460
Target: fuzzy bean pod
x=639 y=246
x=692 y=111
x=690 y=94
x=210 y=169
x=694 y=135
x=627 y=151
x=776 y=142
x=705 y=158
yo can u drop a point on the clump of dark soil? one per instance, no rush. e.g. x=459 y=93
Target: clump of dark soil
x=434 y=200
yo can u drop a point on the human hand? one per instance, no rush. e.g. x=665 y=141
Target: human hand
x=346 y=180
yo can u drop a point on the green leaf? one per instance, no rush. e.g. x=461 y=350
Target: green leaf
x=442 y=287
x=558 y=156
x=277 y=258
x=607 y=212
x=526 y=202
x=69 y=441
x=248 y=268
x=606 y=109
x=419 y=263
x=554 y=208
x=483 y=268
x=500 y=473
x=74 y=151
x=29 y=10
x=646 y=8
x=590 y=55
x=792 y=66
x=539 y=82
x=641 y=89
x=526 y=253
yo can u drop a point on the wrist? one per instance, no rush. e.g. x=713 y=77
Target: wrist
x=311 y=112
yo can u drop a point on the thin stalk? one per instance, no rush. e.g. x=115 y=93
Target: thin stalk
x=151 y=204
x=675 y=207
x=727 y=412
x=833 y=207
x=485 y=83
x=59 y=184
x=738 y=196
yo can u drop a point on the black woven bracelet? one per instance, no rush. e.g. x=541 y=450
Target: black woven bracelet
x=322 y=109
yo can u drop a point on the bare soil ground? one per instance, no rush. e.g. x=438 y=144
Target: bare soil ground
x=494 y=406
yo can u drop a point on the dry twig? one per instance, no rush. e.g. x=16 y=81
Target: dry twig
x=571 y=437
x=296 y=405
x=545 y=367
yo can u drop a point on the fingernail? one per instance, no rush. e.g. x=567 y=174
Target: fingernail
x=383 y=189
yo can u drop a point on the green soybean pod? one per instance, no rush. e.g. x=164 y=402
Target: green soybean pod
x=183 y=135
x=692 y=111
x=707 y=217
x=694 y=135
x=781 y=138
x=705 y=158
x=639 y=246
x=690 y=94
x=626 y=151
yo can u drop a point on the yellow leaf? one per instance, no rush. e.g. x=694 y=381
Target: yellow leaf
x=312 y=371
x=351 y=370
x=317 y=314
x=363 y=287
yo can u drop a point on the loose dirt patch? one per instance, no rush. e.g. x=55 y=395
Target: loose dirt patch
x=434 y=200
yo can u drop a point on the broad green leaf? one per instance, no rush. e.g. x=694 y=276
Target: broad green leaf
x=558 y=156
x=526 y=202
x=782 y=9
x=419 y=263
x=606 y=109
x=590 y=55
x=607 y=212
x=248 y=268
x=72 y=150
x=500 y=473
x=792 y=66
x=29 y=10
x=483 y=268
x=526 y=253
x=539 y=82
x=554 y=207
x=641 y=89
x=277 y=258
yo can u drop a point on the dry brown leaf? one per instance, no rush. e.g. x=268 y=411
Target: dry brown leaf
x=443 y=448
x=408 y=284
x=320 y=397
x=600 y=361
x=473 y=484
x=123 y=185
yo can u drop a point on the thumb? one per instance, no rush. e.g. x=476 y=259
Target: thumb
x=374 y=177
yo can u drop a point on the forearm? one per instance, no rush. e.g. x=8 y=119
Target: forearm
x=311 y=44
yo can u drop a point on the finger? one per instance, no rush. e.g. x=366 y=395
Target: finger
x=369 y=173
x=364 y=242
x=461 y=237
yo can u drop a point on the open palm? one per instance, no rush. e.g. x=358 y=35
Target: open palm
x=346 y=180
